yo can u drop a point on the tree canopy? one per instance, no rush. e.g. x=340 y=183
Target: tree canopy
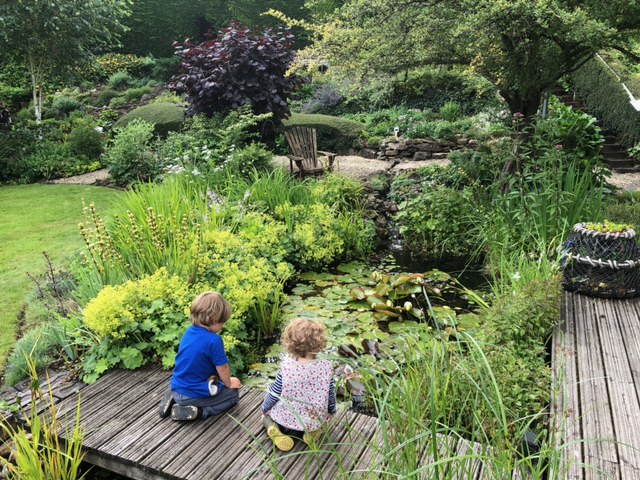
x=521 y=46
x=51 y=36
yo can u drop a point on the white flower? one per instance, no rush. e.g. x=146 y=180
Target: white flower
x=99 y=129
x=516 y=276
x=408 y=306
x=389 y=303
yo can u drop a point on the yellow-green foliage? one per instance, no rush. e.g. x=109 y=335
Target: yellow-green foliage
x=314 y=233
x=240 y=272
x=110 y=63
x=137 y=322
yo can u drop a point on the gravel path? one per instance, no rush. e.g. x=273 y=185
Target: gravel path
x=356 y=167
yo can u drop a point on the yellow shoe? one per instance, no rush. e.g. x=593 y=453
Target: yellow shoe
x=312 y=438
x=281 y=441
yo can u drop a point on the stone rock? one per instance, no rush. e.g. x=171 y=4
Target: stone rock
x=419 y=156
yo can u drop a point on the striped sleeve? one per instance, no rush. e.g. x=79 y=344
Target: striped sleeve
x=273 y=394
x=332 y=397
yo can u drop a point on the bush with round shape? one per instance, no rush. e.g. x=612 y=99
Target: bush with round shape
x=64 y=105
x=165 y=117
x=335 y=134
x=87 y=141
x=119 y=80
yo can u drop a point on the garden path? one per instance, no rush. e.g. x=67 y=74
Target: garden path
x=596 y=363
x=356 y=167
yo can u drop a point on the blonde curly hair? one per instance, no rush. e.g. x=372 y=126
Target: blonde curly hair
x=304 y=336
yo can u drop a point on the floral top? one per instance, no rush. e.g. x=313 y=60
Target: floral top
x=302 y=395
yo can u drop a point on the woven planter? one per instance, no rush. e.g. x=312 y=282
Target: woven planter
x=605 y=265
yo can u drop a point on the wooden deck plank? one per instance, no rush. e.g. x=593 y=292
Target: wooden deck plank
x=359 y=439
x=568 y=414
x=221 y=436
x=124 y=408
x=330 y=453
x=259 y=458
x=595 y=401
x=623 y=354
x=471 y=467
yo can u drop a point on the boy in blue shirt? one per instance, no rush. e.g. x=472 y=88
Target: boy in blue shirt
x=202 y=384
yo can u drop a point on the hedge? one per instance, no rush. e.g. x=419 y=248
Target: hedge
x=335 y=134
x=602 y=92
x=166 y=117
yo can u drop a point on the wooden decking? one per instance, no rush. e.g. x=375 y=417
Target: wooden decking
x=124 y=434
x=596 y=359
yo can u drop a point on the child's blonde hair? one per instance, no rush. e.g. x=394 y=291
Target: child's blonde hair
x=209 y=308
x=304 y=336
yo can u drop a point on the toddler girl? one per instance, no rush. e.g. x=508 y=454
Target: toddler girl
x=303 y=397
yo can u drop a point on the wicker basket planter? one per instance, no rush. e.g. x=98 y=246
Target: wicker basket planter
x=605 y=265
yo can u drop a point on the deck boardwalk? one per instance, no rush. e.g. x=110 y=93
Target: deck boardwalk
x=124 y=434
x=597 y=378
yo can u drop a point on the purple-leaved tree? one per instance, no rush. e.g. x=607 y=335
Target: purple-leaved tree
x=239 y=67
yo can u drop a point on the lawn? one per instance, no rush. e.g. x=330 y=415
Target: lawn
x=34 y=219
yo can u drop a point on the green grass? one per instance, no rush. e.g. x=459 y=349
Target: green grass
x=34 y=219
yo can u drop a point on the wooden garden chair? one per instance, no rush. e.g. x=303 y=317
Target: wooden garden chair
x=304 y=152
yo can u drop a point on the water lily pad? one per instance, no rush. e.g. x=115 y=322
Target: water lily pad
x=302 y=289
x=350 y=267
x=324 y=283
x=256 y=382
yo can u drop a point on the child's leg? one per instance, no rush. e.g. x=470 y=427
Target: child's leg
x=282 y=441
x=206 y=407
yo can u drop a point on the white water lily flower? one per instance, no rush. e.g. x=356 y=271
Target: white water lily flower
x=408 y=306
x=389 y=303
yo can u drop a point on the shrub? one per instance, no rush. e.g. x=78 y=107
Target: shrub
x=313 y=234
x=128 y=157
x=437 y=222
x=38 y=346
x=135 y=94
x=112 y=63
x=136 y=323
x=15 y=145
x=165 y=117
x=119 y=80
x=247 y=159
x=335 y=134
x=63 y=105
x=50 y=160
x=12 y=96
x=164 y=68
x=450 y=111
x=325 y=100
x=87 y=141
x=239 y=68
x=575 y=132
x=105 y=96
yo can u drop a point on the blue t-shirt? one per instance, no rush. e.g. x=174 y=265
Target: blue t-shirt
x=200 y=352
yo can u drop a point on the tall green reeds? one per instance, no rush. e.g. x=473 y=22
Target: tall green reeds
x=38 y=451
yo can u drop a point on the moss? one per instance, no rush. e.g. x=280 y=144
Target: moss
x=166 y=117
x=335 y=134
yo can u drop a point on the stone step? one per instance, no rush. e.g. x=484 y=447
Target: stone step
x=620 y=163
x=625 y=169
x=620 y=155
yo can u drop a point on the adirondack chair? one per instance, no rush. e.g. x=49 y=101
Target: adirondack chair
x=303 y=144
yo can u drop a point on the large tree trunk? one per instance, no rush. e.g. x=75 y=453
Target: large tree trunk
x=527 y=104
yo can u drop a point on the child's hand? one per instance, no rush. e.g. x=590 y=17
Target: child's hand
x=235 y=383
